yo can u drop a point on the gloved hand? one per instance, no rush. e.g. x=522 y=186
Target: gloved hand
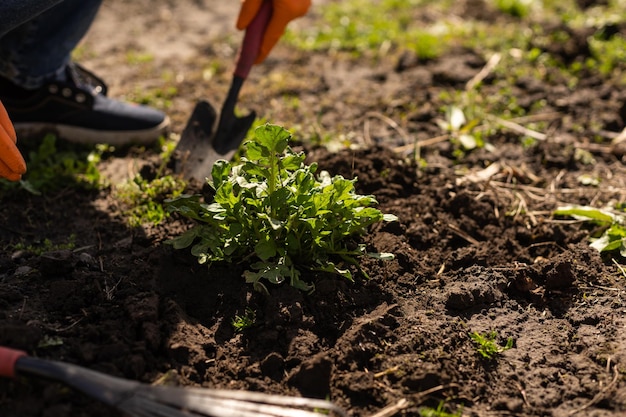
x=283 y=12
x=12 y=164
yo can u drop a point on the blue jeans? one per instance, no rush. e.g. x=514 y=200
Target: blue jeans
x=37 y=37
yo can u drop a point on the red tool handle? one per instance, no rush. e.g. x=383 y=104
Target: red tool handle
x=252 y=40
x=8 y=357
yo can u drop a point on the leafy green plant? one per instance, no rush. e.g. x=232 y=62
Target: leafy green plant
x=244 y=321
x=612 y=233
x=271 y=209
x=487 y=346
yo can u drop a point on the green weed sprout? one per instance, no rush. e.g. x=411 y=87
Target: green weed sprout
x=142 y=199
x=460 y=129
x=486 y=344
x=515 y=8
x=244 y=321
x=272 y=210
x=439 y=411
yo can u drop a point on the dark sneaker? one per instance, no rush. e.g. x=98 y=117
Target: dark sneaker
x=78 y=110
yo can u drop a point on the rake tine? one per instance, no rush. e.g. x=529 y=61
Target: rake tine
x=259 y=397
x=145 y=407
x=224 y=403
x=206 y=407
x=236 y=408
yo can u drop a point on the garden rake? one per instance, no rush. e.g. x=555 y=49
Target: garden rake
x=137 y=399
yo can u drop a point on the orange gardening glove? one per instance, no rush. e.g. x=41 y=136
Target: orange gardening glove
x=284 y=11
x=12 y=164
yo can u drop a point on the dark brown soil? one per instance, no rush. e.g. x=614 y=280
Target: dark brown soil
x=476 y=246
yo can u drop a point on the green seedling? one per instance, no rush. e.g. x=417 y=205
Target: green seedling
x=155 y=97
x=612 y=233
x=245 y=321
x=487 y=346
x=462 y=131
x=439 y=411
x=515 y=8
x=49 y=341
x=272 y=210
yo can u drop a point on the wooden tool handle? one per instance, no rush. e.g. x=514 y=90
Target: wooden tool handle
x=252 y=40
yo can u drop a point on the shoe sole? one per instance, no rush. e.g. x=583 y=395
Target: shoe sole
x=85 y=136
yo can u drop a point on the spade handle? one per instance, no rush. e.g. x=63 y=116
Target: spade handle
x=252 y=40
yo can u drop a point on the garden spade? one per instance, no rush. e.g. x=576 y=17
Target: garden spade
x=137 y=399
x=199 y=147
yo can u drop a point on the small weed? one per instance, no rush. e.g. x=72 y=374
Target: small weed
x=515 y=8
x=245 y=321
x=439 y=411
x=155 y=97
x=46 y=245
x=136 y=58
x=49 y=341
x=487 y=346
x=144 y=198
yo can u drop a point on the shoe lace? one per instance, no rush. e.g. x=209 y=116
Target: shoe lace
x=82 y=77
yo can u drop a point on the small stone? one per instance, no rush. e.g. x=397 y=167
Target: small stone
x=24 y=271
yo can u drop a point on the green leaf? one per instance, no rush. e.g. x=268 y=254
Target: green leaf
x=585 y=213
x=605 y=244
x=265 y=249
x=225 y=195
x=274 y=273
x=184 y=240
x=390 y=217
x=219 y=173
x=456 y=118
x=256 y=152
x=273 y=137
x=383 y=256
x=293 y=162
x=468 y=142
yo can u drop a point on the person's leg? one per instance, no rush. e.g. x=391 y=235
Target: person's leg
x=41 y=47
x=16 y=12
x=44 y=92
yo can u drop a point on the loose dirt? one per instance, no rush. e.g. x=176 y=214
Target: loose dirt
x=476 y=246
